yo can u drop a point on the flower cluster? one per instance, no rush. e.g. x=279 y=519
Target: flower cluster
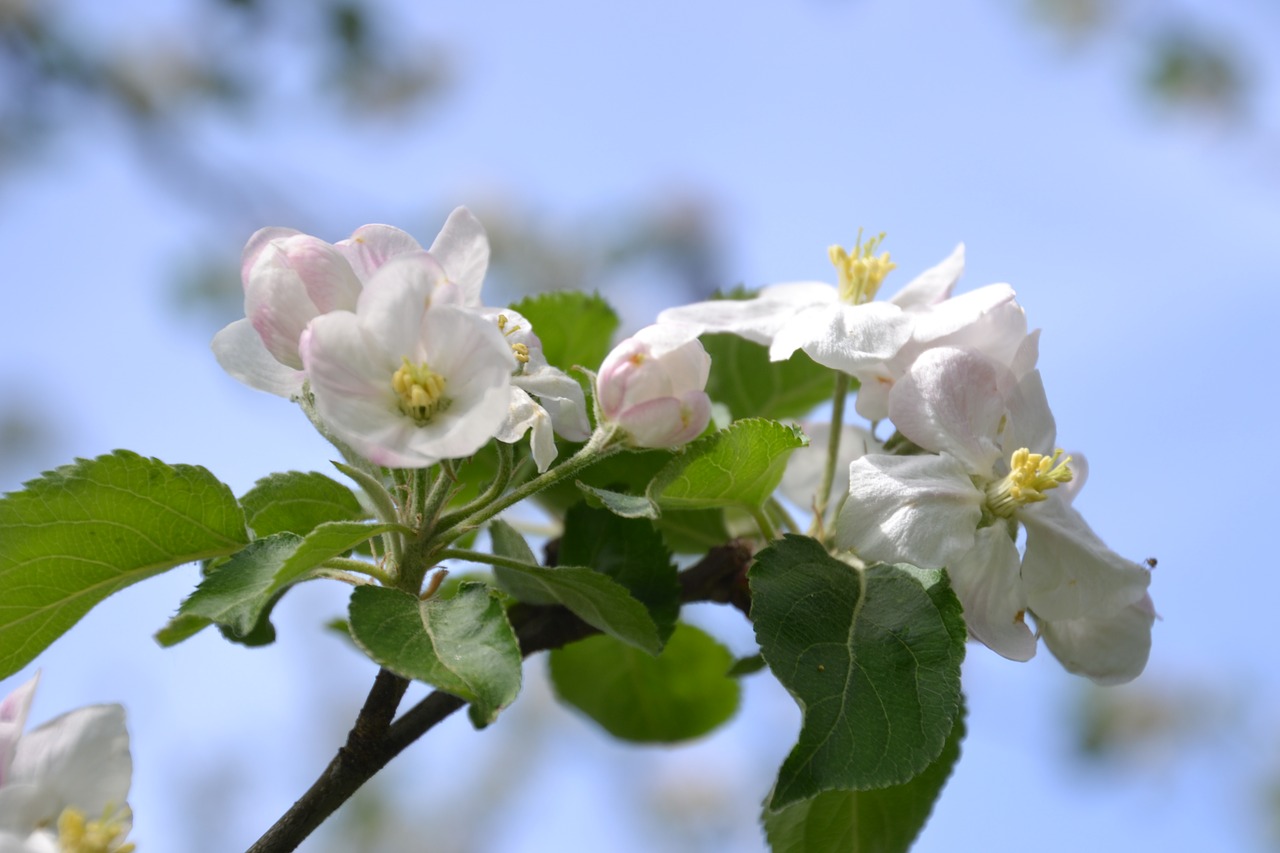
x=975 y=461
x=63 y=786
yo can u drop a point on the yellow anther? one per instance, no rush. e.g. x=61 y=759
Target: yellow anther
x=77 y=835
x=521 y=352
x=421 y=391
x=502 y=326
x=1030 y=476
x=861 y=272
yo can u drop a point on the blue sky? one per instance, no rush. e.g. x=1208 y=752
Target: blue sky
x=1146 y=251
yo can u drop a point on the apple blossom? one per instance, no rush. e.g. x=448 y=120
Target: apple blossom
x=990 y=468
x=63 y=786
x=290 y=278
x=411 y=377
x=652 y=386
x=560 y=406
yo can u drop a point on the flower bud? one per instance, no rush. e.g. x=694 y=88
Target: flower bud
x=652 y=386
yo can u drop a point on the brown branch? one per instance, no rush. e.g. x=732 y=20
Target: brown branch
x=374 y=739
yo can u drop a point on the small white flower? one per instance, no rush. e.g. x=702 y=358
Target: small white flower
x=63 y=786
x=411 y=377
x=652 y=385
x=560 y=405
x=291 y=278
x=993 y=467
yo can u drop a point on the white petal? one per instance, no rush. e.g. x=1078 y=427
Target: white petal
x=524 y=415
x=462 y=248
x=1110 y=649
x=1067 y=571
x=261 y=238
x=397 y=296
x=757 y=319
x=987 y=584
x=240 y=351
x=371 y=246
x=988 y=319
x=933 y=285
x=1031 y=424
x=80 y=759
x=950 y=401
x=844 y=337
x=921 y=510
x=561 y=396
x=13 y=718
x=806 y=466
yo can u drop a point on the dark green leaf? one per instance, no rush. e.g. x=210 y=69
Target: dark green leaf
x=747 y=666
x=885 y=820
x=463 y=645
x=74 y=536
x=631 y=552
x=745 y=380
x=872 y=657
x=294 y=502
x=737 y=466
x=683 y=693
x=508 y=543
x=627 y=506
x=575 y=329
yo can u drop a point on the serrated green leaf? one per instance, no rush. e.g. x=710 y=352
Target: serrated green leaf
x=745 y=380
x=625 y=473
x=884 y=820
x=681 y=694
x=693 y=531
x=740 y=465
x=508 y=543
x=626 y=506
x=240 y=593
x=631 y=552
x=575 y=328
x=76 y=535
x=875 y=668
x=295 y=502
x=463 y=645
x=181 y=628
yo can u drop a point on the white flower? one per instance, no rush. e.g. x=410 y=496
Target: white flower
x=560 y=406
x=63 y=786
x=291 y=278
x=412 y=377
x=652 y=385
x=993 y=467
x=806 y=466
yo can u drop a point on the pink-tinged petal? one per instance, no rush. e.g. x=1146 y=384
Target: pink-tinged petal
x=1030 y=423
x=921 y=510
x=395 y=299
x=757 y=319
x=668 y=421
x=371 y=246
x=1109 y=649
x=950 y=401
x=240 y=351
x=462 y=248
x=848 y=338
x=1067 y=571
x=80 y=759
x=277 y=303
x=987 y=584
x=261 y=238
x=13 y=718
x=933 y=285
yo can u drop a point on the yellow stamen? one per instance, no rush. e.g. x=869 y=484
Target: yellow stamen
x=421 y=391
x=521 y=351
x=77 y=835
x=861 y=273
x=1030 y=476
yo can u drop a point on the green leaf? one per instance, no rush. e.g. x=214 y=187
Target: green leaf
x=626 y=506
x=745 y=380
x=747 y=666
x=575 y=329
x=872 y=657
x=508 y=543
x=737 y=466
x=463 y=645
x=631 y=552
x=241 y=592
x=681 y=694
x=693 y=531
x=75 y=535
x=625 y=473
x=295 y=502
x=884 y=820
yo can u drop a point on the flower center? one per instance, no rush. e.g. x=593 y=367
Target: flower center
x=521 y=351
x=421 y=391
x=861 y=272
x=1030 y=476
x=77 y=835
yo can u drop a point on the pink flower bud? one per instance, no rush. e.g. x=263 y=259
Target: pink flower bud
x=652 y=386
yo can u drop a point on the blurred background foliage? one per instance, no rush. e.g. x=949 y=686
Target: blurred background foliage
x=159 y=90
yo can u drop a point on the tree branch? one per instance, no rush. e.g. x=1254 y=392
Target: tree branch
x=374 y=740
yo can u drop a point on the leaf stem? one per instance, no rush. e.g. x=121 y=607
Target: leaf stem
x=833 y=452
